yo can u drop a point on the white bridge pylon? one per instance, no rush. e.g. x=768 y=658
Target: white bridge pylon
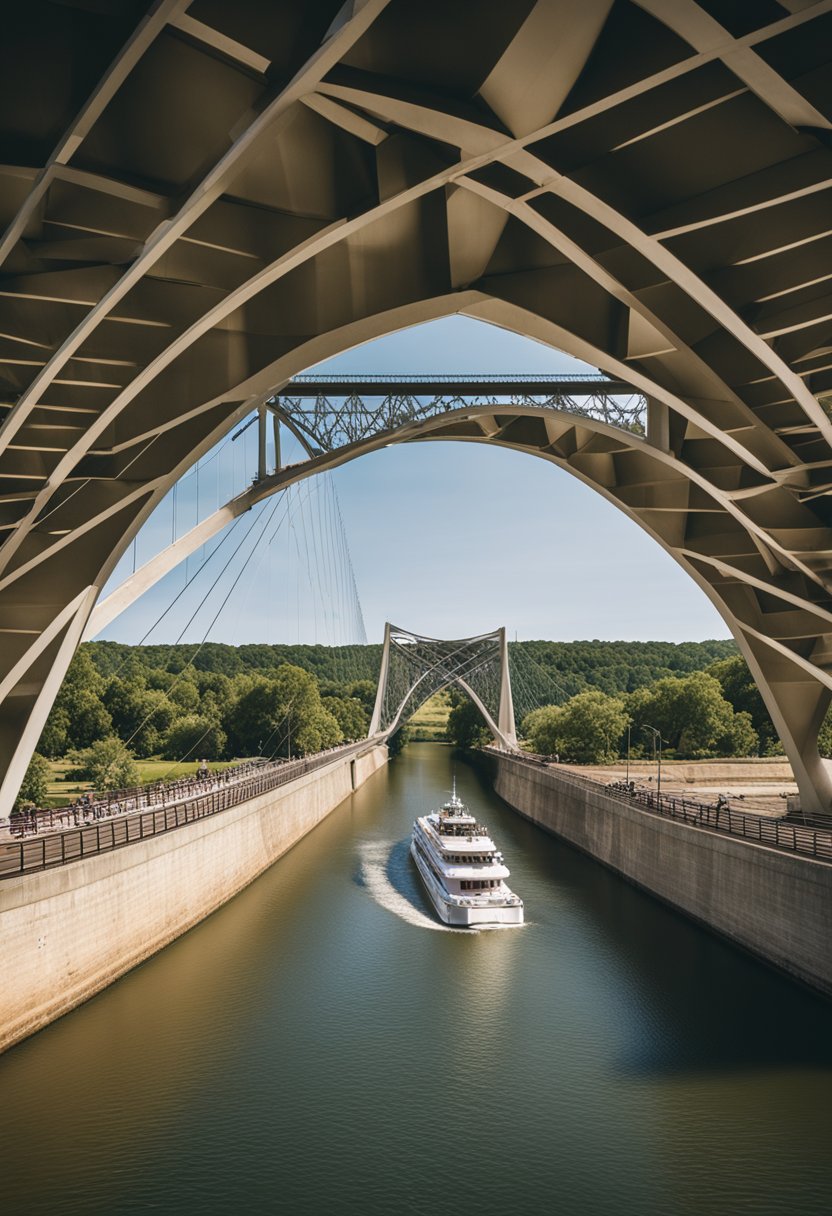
x=414 y=668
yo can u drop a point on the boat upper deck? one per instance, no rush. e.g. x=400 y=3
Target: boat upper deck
x=457 y=843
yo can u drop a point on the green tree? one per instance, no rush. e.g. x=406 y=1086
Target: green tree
x=194 y=736
x=108 y=764
x=587 y=729
x=540 y=729
x=217 y=687
x=350 y=714
x=692 y=715
x=466 y=727
x=141 y=716
x=825 y=736
x=185 y=696
x=54 y=739
x=398 y=741
x=279 y=714
x=742 y=739
x=78 y=716
x=739 y=688
x=34 y=788
x=365 y=692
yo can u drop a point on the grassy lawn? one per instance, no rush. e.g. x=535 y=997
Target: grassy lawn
x=429 y=722
x=61 y=791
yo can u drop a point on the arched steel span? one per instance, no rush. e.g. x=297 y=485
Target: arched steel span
x=414 y=667
x=209 y=199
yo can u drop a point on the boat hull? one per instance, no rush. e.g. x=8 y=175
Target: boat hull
x=465 y=916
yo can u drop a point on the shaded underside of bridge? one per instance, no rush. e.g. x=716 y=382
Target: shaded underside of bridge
x=199 y=201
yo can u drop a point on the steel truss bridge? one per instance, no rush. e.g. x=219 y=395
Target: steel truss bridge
x=327 y=412
x=200 y=201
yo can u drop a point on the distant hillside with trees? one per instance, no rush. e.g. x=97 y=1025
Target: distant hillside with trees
x=575 y=666
x=340 y=663
x=551 y=671
x=115 y=706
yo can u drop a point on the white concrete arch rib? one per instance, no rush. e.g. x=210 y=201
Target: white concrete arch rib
x=228 y=194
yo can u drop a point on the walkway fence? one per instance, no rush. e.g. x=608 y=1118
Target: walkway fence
x=788 y=835
x=167 y=808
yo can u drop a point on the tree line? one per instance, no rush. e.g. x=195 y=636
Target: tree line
x=714 y=712
x=109 y=714
x=177 y=711
x=571 y=666
x=217 y=701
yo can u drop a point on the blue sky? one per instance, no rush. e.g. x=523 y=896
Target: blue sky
x=446 y=539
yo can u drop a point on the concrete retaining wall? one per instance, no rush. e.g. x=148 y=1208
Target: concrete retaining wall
x=776 y=905
x=66 y=933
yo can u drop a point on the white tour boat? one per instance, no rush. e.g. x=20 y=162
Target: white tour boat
x=462 y=869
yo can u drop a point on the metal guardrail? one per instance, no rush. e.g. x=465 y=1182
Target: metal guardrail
x=56 y=848
x=519 y=378
x=785 y=835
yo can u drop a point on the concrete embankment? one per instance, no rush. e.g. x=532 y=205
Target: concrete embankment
x=777 y=905
x=67 y=932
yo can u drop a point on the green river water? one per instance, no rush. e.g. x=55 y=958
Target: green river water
x=323 y=1045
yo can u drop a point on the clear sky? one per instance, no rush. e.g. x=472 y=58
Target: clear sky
x=446 y=539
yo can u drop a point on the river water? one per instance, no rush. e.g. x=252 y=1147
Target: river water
x=323 y=1045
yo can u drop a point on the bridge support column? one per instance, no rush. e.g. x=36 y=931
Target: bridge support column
x=25 y=716
x=278 y=458
x=797 y=704
x=375 y=722
x=506 y=713
x=262 y=414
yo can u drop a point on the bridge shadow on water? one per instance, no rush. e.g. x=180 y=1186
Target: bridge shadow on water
x=687 y=1000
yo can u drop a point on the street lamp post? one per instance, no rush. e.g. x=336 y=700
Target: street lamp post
x=629 y=727
x=657 y=752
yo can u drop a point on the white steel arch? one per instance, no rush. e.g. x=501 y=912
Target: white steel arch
x=415 y=667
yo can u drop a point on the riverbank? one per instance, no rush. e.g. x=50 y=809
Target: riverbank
x=70 y=930
x=774 y=901
x=763 y=785
x=292 y=1052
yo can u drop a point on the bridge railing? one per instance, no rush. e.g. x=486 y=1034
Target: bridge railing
x=56 y=848
x=787 y=835
x=516 y=378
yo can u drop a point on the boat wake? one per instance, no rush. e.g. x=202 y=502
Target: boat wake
x=387 y=874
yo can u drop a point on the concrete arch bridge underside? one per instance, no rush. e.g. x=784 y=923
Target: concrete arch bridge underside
x=201 y=200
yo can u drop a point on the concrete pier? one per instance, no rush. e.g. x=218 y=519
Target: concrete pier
x=69 y=931
x=776 y=904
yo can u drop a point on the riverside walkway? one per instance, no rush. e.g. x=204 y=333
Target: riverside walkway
x=56 y=837
x=788 y=836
